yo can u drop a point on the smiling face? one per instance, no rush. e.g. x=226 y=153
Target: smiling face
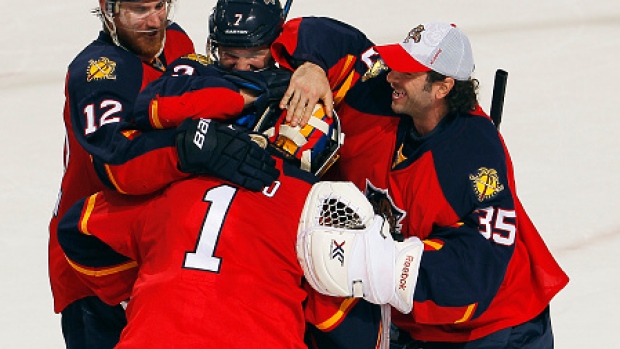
x=412 y=94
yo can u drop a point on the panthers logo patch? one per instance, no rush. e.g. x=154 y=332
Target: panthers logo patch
x=486 y=183
x=383 y=205
x=103 y=68
x=415 y=34
x=374 y=71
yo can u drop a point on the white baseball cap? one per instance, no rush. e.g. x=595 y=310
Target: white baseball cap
x=436 y=46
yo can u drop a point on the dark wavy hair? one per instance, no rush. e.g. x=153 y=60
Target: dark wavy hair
x=463 y=97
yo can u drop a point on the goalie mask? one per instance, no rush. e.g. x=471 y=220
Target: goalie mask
x=314 y=147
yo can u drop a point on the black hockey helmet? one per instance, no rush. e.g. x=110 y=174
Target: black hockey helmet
x=245 y=23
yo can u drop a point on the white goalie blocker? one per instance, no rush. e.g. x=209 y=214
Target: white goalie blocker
x=346 y=250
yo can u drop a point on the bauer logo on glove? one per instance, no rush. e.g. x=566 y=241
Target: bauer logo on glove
x=201 y=131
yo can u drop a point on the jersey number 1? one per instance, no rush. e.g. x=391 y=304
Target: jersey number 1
x=203 y=257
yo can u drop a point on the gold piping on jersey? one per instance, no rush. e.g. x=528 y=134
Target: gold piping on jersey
x=468 y=314
x=158 y=64
x=105 y=271
x=108 y=170
x=434 y=244
x=155 y=115
x=90 y=205
x=399 y=156
x=345 y=87
x=344 y=307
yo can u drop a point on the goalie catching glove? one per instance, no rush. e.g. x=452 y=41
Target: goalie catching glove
x=346 y=250
x=208 y=147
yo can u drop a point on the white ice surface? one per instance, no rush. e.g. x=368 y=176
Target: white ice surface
x=560 y=126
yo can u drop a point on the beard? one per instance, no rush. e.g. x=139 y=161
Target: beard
x=145 y=44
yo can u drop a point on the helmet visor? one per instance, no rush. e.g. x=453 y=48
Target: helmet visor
x=144 y=16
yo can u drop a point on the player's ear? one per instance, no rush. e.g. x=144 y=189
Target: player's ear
x=444 y=87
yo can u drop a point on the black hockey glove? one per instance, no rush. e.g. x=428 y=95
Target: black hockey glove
x=208 y=147
x=269 y=84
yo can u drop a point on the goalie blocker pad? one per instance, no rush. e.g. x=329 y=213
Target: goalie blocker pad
x=346 y=250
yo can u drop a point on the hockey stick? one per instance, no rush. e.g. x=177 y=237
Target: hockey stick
x=497 y=101
x=286 y=9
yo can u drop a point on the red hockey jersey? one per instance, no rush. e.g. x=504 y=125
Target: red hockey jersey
x=485 y=266
x=214 y=265
x=115 y=106
x=101 y=149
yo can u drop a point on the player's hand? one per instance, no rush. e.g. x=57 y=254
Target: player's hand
x=308 y=85
x=208 y=147
x=268 y=85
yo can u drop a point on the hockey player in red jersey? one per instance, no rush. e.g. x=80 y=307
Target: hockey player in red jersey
x=103 y=149
x=207 y=264
x=241 y=34
x=435 y=166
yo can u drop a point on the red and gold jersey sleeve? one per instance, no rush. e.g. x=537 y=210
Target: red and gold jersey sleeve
x=334 y=46
x=102 y=148
x=203 y=262
x=485 y=266
x=191 y=87
x=109 y=272
x=103 y=83
x=344 y=323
